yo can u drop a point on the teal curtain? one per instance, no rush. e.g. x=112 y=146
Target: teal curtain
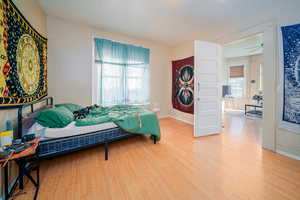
x=118 y=53
x=123 y=73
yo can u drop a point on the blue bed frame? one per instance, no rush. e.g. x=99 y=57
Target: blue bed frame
x=55 y=147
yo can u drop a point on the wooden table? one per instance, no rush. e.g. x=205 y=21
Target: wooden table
x=22 y=160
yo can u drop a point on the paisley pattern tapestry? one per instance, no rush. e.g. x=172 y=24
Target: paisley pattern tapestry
x=23 y=58
x=291 y=75
x=183 y=85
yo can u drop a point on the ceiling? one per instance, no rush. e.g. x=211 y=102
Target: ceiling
x=170 y=22
x=246 y=47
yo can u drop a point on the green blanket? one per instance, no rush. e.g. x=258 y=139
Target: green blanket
x=129 y=118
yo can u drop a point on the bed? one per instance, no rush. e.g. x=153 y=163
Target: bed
x=59 y=141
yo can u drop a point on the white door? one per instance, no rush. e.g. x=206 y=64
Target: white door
x=208 y=70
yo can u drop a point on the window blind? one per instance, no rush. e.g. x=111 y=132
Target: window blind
x=237 y=71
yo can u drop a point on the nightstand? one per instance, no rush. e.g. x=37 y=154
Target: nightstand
x=24 y=161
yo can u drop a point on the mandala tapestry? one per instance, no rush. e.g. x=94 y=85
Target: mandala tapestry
x=183 y=85
x=23 y=58
x=291 y=74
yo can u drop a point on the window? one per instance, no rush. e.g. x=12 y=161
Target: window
x=237 y=81
x=123 y=72
x=237 y=87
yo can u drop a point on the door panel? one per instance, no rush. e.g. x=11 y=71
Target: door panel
x=210 y=92
x=208 y=78
x=208 y=58
x=209 y=66
x=207 y=105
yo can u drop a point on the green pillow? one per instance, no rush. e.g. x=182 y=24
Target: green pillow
x=71 y=107
x=55 y=117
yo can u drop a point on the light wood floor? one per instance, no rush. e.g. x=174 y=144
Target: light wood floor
x=229 y=166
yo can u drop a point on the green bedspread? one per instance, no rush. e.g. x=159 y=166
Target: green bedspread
x=129 y=118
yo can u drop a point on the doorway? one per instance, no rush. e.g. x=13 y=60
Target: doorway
x=242 y=90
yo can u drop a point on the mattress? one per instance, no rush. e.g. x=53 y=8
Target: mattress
x=70 y=130
x=58 y=141
x=59 y=146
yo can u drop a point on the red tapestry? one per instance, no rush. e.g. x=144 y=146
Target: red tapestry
x=183 y=85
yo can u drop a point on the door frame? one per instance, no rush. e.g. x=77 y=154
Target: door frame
x=270 y=74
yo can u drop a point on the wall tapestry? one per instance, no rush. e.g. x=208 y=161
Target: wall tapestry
x=290 y=73
x=23 y=58
x=183 y=85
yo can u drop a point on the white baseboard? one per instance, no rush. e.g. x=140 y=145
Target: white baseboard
x=288 y=154
x=163 y=116
x=183 y=120
x=177 y=118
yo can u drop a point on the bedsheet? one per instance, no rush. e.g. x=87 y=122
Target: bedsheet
x=132 y=119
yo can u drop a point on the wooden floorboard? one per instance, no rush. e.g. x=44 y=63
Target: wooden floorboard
x=229 y=166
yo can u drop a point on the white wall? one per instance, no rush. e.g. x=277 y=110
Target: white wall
x=70 y=62
x=256 y=62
